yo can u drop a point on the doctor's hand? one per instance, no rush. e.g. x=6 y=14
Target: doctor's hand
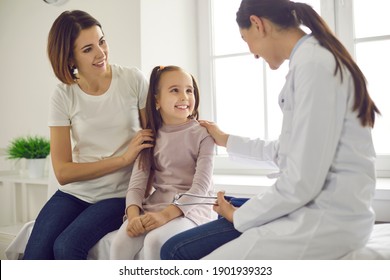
x=224 y=208
x=219 y=136
x=135 y=227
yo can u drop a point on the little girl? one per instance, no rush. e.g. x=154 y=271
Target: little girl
x=181 y=161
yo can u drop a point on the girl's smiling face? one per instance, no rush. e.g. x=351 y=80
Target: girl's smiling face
x=175 y=99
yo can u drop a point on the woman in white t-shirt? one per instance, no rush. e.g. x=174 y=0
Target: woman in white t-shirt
x=96 y=117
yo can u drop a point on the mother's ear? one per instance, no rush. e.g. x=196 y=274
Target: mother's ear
x=157 y=105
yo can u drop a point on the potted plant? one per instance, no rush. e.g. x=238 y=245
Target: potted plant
x=34 y=149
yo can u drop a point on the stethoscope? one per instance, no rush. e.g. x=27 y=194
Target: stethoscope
x=235 y=201
x=180 y=195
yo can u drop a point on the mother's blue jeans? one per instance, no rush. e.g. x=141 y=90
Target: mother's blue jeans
x=67 y=227
x=200 y=241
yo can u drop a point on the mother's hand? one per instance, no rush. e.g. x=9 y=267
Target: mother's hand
x=143 y=139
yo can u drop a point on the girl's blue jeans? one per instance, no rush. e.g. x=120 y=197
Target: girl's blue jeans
x=67 y=227
x=200 y=241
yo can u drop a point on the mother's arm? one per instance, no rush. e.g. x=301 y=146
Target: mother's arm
x=68 y=171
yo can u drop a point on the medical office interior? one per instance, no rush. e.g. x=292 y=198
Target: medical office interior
x=202 y=37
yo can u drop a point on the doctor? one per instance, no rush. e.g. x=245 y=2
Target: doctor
x=320 y=205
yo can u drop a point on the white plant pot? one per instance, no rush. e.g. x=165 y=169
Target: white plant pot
x=36 y=168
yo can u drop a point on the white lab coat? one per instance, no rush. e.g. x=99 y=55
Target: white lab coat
x=320 y=206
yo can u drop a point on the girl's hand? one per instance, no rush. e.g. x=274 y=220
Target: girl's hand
x=152 y=220
x=143 y=139
x=219 y=136
x=224 y=208
x=135 y=227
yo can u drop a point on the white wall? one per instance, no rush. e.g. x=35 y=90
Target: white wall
x=140 y=33
x=169 y=34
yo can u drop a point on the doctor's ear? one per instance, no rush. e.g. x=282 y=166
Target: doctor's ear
x=262 y=25
x=256 y=21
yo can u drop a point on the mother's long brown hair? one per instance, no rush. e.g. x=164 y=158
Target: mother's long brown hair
x=288 y=14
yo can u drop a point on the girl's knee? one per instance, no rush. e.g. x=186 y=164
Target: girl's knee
x=116 y=248
x=152 y=246
x=155 y=238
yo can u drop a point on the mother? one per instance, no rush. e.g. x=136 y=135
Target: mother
x=95 y=121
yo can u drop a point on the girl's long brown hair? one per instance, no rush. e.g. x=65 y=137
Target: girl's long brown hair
x=288 y=14
x=153 y=117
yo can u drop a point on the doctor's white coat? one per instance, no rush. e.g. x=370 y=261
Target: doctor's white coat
x=320 y=206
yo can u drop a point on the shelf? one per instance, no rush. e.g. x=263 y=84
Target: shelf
x=21 y=200
x=14 y=177
x=11 y=230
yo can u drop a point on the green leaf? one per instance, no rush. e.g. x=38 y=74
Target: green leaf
x=29 y=147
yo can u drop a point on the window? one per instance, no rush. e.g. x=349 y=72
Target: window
x=372 y=45
x=242 y=86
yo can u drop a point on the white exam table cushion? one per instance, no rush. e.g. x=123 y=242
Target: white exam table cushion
x=377 y=248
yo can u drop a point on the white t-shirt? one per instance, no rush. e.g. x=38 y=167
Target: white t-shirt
x=101 y=127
